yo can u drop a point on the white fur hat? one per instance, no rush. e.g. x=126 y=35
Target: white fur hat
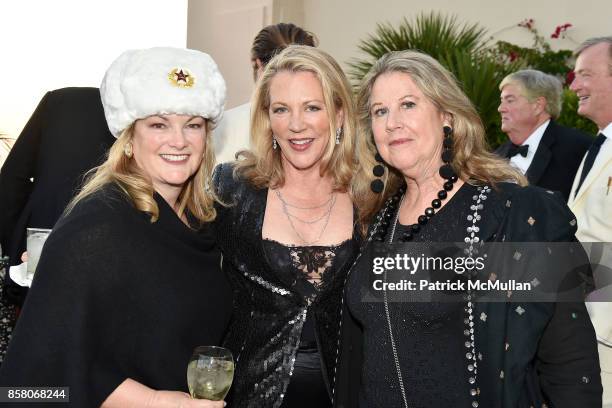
x=162 y=80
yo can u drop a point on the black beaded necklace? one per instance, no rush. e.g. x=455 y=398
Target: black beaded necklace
x=446 y=172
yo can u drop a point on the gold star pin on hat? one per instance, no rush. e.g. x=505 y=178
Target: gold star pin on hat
x=181 y=77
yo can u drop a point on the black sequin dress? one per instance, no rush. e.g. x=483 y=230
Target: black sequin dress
x=278 y=315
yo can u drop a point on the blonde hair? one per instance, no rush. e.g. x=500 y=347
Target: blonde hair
x=196 y=196
x=472 y=159
x=262 y=165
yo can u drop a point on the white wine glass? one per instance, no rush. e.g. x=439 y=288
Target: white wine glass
x=210 y=373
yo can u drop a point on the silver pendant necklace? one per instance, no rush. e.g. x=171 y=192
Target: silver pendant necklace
x=280 y=197
x=327 y=215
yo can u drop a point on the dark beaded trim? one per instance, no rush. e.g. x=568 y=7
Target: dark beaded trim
x=470 y=343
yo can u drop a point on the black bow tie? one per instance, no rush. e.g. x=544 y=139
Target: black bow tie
x=514 y=150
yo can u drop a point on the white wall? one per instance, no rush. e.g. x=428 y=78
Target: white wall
x=49 y=44
x=225 y=29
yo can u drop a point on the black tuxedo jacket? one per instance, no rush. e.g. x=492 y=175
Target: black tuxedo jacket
x=557 y=158
x=66 y=136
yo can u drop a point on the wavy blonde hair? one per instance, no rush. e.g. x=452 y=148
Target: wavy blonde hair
x=262 y=166
x=196 y=196
x=472 y=159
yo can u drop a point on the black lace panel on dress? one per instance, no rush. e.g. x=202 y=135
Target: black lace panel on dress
x=313 y=262
x=305 y=268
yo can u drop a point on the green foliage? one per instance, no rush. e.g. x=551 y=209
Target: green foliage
x=478 y=67
x=460 y=48
x=430 y=33
x=540 y=55
x=569 y=114
x=543 y=59
x=559 y=63
x=479 y=77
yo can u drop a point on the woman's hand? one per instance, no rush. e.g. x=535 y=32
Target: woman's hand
x=132 y=394
x=177 y=399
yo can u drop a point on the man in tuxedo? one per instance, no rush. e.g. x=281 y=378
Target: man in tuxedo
x=591 y=195
x=547 y=153
x=65 y=137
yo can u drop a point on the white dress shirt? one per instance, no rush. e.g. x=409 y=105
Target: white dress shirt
x=233 y=133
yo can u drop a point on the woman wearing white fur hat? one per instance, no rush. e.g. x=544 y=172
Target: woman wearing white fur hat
x=128 y=282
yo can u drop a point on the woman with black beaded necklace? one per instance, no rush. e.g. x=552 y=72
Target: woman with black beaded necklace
x=427 y=176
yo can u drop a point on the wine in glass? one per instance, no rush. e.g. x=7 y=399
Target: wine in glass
x=210 y=373
x=35 y=241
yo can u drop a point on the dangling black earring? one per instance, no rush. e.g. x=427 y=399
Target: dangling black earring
x=446 y=170
x=377 y=185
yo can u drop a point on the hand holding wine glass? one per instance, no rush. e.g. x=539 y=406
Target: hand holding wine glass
x=131 y=393
x=210 y=373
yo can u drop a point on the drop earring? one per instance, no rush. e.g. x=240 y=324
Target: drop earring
x=274 y=144
x=127 y=150
x=377 y=184
x=338 y=134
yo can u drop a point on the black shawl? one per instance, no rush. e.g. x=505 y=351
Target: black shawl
x=116 y=296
